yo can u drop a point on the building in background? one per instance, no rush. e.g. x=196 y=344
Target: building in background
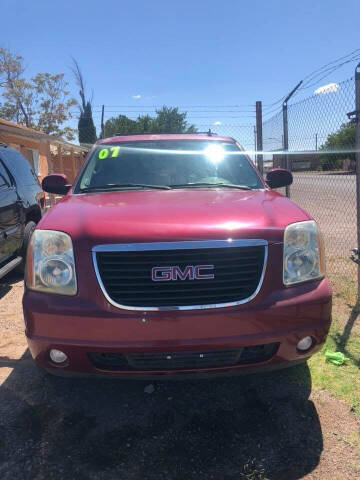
x=301 y=161
x=45 y=153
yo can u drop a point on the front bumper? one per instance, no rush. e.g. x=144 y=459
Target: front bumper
x=78 y=327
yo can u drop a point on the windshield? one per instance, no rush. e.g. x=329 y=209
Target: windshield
x=175 y=164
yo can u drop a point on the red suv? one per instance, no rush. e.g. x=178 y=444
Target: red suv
x=170 y=255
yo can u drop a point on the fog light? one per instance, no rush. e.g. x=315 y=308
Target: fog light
x=57 y=356
x=305 y=344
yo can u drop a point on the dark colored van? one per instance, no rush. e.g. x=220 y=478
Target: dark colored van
x=21 y=205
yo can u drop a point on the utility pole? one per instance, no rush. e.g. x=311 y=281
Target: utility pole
x=286 y=132
x=316 y=142
x=255 y=144
x=102 y=122
x=259 y=137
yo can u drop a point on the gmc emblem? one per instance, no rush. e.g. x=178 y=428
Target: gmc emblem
x=192 y=272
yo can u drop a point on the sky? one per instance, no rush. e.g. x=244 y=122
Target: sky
x=196 y=54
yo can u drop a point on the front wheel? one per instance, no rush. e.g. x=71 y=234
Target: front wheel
x=28 y=231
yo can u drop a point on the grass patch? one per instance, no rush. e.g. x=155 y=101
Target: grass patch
x=353 y=440
x=342 y=381
x=252 y=472
x=344 y=290
x=344 y=336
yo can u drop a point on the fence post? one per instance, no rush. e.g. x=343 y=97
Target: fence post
x=259 y=138
x=357 y=161
x=286 y=143
x=286 y=132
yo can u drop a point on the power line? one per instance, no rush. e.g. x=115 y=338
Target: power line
x=311 y=79
x=276 y=109
x=179 y=106
x=211 y=118
x=189 y=112
x=274 y=103
x=329 y=68
x=329 y=72
x=331 y=63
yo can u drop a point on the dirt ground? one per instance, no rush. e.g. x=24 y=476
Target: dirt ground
x=253 y=427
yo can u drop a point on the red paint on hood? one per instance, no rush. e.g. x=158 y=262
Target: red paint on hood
x=171 y=215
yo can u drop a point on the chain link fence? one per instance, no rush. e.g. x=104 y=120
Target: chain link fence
x=273 y=139
x=321 y=157
x=321 y=145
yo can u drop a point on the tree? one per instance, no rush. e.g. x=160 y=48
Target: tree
x=52 y=103
x=18 y=93
x=341 y=141
x=167 y=120
x=42 y=103
x=170 y=120
x=121 y=124
x=86 y=127
x=145 y=124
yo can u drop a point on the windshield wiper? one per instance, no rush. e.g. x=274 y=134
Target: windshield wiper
x=205 y=184
x=123 y=185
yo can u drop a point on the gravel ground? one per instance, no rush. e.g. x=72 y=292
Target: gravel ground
x=251 y=427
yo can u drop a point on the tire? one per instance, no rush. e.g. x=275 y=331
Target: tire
x=28 y=231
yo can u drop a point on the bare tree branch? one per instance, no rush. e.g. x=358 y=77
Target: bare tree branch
x=79 y=81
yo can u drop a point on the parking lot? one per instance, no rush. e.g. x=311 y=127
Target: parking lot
x=149 y=243
x=242 y=427
x=331 y=199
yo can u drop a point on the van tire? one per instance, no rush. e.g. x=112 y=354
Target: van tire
x=28 y=231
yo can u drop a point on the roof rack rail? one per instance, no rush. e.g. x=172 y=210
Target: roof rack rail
x=209 y=133
x=126 y=134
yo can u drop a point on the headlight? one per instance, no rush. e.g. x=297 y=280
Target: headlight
x=303 y=253
x=50 y=265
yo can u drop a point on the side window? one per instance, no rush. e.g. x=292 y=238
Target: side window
x=36 y=164
x=19 y=166
x=4 y=177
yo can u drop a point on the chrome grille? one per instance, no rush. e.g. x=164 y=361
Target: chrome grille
x=124 y=273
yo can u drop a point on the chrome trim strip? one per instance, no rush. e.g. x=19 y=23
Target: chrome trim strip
x=133 y=247
x=178 y=246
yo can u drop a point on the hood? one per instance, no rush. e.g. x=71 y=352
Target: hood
x=172 y=215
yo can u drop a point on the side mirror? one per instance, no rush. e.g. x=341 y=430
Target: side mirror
x=279 y=178
x=56 y=183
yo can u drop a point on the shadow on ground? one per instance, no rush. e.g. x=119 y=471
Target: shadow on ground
x=7 y=282
x=249 y=427
x=4 y=289
x=342 y=339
